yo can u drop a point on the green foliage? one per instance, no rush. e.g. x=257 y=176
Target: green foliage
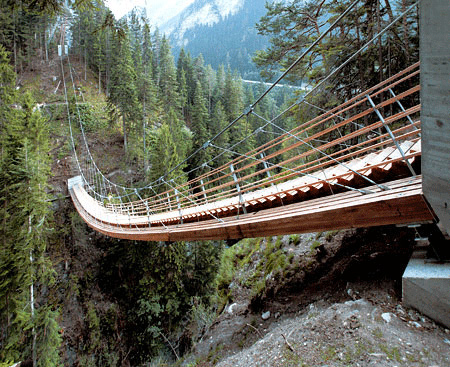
x=48 y=337
x=225 y=274
x=202 y=315
x=330 y=234
x=170 y=144
x=123 y=96
x=314 y=246
x=91 y=119
x=160 y=284
x=30 y=328
x=260 y=258
x=293 y=27
x=294 y=239
x=93 y=324
x=199 y=127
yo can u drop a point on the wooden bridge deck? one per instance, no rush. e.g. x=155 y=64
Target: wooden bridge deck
x=367 y=178
x=303 y=204
x=403 y=203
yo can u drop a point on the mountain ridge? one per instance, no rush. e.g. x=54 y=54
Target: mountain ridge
x=200 y=13
x=222 y=31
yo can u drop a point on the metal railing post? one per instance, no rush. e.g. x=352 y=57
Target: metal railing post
x=238 y=188
x=168 y=200
x=179 y=206
x=403 y=109
x=391 y=134
x=266 y=166
x=203 y=189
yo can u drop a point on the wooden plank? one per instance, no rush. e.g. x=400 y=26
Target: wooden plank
x=271 y=196
x=402 y=205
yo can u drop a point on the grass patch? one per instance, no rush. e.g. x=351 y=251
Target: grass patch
x=392 y=353
x=329 y=235
x=314 y=246
x=294 y=239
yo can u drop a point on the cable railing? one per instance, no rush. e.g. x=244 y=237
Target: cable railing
x=327 y=163
x=368 y=140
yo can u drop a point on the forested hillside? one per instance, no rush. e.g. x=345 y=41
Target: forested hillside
x=127 y=87
x=225 y=35
x=71 y=296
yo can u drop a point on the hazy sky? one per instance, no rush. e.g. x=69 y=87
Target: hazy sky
x=158 y=11
x=120 y=7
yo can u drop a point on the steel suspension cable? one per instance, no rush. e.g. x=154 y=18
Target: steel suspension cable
x=230 y=149
x=340 y=67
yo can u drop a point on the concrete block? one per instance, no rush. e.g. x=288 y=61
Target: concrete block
x=426 y=287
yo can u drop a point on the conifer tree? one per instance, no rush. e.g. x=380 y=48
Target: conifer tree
x=170 y=144
x=292 y=27
x=26 y=271
x=168 y=78
x=234 y=106
x=123 y=93
x=185 y=68
x=210 y=78
x=182 y=90
x=217 y=124
x=199 y=128
x=218 y=93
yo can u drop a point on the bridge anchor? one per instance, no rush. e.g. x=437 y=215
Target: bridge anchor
x=426 y=280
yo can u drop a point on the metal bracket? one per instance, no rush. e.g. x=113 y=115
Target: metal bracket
x=248 y=110
x=238 y=188
x=390 y=134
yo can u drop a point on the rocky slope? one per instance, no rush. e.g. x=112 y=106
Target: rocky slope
x=337 y=304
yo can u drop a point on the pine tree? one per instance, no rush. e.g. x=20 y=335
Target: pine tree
x=293 y=26
x=123 y=93
x=170 y=144
x=168 y=78
x=33 y=169
x=234 y=106
x=219 y=89
x=199 y=128
x=183 y=92
x=25 y=268
x=217 y=124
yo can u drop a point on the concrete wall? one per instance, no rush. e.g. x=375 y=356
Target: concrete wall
x=426 y=287
x=435 y=99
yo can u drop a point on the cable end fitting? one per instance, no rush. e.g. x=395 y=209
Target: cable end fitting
x=248 y=110
x=206 y=144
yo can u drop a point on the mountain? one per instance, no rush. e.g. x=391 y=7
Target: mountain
x=223 y=31
x=160 y=12
x=198 y=13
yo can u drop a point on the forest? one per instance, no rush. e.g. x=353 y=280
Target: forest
x=69 y=296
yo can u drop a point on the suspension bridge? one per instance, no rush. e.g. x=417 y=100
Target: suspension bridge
x=357 y=165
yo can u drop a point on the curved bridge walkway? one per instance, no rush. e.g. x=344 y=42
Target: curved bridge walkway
x=357 y=165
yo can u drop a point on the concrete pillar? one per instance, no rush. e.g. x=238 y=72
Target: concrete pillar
x=435 y=99
x=425 y=287
x=426 y=284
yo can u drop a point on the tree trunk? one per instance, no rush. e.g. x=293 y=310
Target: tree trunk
x=33 y=329
x=380 y=46
x=143 y=137
x=125 y=142
x=45 y=39
x=405 y=31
